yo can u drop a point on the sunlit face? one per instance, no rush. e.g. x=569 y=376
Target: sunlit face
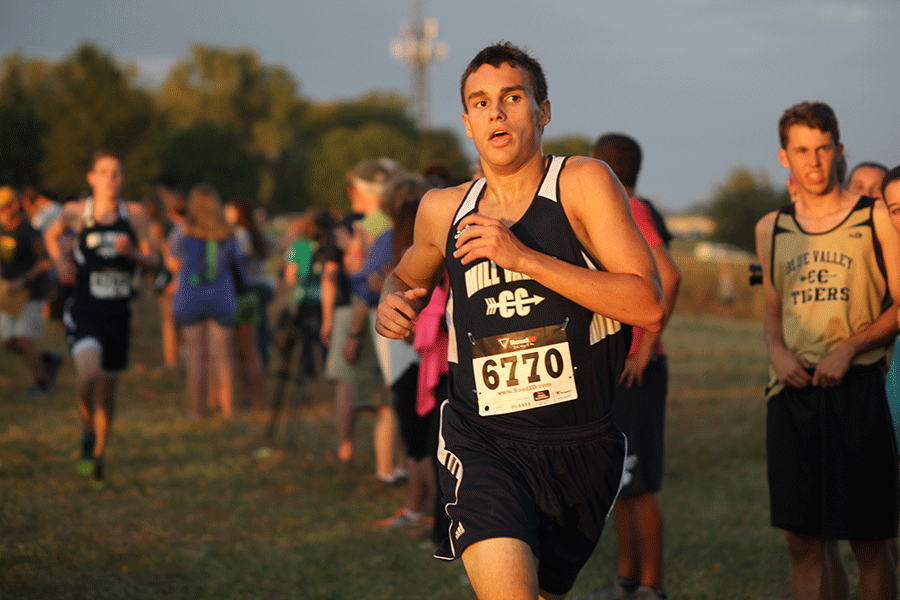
x=502 y=117
x=231 y=214
x=9 y=214
x=892 y=199
x=106 y=177
x=811 y=155
x=866 y=181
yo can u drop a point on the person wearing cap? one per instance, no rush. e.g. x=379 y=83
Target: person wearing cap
x=360 y=385
x=25 y=285
x=639 y=405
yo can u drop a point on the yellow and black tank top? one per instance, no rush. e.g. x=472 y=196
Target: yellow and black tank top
x=831 y=284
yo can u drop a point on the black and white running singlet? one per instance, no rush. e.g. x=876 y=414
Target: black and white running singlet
x=104 y=278
x=522 y=355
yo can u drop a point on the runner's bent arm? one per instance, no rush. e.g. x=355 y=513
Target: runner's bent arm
x=670 y=277
x=406 y=290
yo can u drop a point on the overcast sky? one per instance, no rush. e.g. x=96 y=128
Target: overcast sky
x=700 y=84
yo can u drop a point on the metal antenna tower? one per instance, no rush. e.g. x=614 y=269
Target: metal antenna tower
x=419 y=47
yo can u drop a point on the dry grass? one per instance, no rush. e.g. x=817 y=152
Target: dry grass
x=194 y=511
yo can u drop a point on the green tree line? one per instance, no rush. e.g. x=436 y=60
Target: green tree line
x=221 y=116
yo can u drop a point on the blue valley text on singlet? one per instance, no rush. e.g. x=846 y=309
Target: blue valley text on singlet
x=522 y=355
x=831 y=284
x=104 y=279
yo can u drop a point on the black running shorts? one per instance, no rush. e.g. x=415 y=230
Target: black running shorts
x=551 y=488
x=112 y=329
x=832 y=461
x=640 y=412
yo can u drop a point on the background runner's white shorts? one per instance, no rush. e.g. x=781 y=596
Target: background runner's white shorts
x=28 y=324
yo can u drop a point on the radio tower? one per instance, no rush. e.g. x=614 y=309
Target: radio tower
x=419 y=47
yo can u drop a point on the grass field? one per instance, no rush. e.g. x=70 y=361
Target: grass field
x=197 y=511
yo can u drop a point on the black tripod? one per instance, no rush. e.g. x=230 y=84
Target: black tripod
x=292 y=373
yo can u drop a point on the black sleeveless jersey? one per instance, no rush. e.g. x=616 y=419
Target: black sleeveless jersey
x=104 y=280
x=521 y=355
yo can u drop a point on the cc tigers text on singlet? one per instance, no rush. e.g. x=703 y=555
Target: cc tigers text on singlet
x=831 y=284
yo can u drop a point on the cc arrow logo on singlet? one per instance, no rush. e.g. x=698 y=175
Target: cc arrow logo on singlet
x=510 y=303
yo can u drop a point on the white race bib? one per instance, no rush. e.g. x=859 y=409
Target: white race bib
x=523 y=370
x=110 y=285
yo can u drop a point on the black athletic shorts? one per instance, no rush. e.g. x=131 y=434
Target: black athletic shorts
x=111 y=328
x=640 y=412
x=414 y=430
x=832 y=460
x=551 y=488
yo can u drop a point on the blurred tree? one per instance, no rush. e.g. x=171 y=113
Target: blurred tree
x=739 y=203
x=375 y=107
x=85 y=102
x=442 y=145
x=234 y=89
x=572 y=145
x=340 y=148
x=220 y=115
x=210 y=153
x=22 y=80
x=20 y=145
x=338 y=135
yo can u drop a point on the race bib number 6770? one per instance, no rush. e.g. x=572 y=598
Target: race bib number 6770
x=523 y=370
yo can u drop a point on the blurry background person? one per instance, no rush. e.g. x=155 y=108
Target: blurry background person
x=304 y=262
x=205 y=305
x=639 y=404
x=23 y=271
x=40 y=207
x=174 y=206
x=890 y=190
x=398 y=358
x=865 y=179
x=358 y=384
x=162 y=281
x=251 y=315
x=111 y=244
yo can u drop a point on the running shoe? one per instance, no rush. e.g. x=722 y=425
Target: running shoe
x=85 y=464
x=648 y=593
x=618 y=589
x=97 y=480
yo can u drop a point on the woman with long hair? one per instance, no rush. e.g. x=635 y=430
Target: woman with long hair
x=162 y=281
x=205 y=305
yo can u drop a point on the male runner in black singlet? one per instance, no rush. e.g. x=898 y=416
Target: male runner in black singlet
x=545 y=266
x=112 y=240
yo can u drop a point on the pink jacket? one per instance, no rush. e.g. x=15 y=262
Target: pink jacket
x=431 y=342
